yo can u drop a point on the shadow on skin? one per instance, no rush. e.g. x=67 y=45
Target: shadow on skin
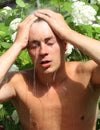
x=78 y=104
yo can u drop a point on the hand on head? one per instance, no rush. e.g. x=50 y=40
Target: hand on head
x=55 y=20
x=23 y=31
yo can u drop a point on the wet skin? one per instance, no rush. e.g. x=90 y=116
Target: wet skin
x=70 y=104
x=55 y=95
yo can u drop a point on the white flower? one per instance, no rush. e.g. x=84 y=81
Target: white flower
x=14 y=24
x=70 y=47
x=6 y=10
x=15 y=117
x=13 y=68
x=82 y=13
x=95 y=1
x=96 y=25
x=73 y=0
x=98 y=17
x=13 y=37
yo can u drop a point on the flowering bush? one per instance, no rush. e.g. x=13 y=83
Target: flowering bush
x=96 y=2
x=13 y=37
x=14 y=24
x=6 y=10
x=83 y=14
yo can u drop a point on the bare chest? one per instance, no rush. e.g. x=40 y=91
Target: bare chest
x=59 y=109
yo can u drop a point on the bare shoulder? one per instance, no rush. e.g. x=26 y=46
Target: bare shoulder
x=80 y=71
x=16 y=77
x=93 y=69
x=13 y=84
x=76 y=67
x=7 y=90
x=81 y=67
x=88 y=72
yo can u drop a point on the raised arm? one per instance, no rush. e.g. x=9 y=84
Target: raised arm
x=9 y=57
x=87 y=45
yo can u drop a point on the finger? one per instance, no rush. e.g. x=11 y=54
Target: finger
x=30 y=18
x=46 y=11
x=44 y=16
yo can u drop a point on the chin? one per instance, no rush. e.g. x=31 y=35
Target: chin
x=50 y=71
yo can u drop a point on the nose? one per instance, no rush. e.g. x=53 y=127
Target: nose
x=43 y=49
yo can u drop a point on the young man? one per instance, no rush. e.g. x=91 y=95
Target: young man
x=55 y=95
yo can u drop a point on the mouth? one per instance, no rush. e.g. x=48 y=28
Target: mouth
x=45 y=64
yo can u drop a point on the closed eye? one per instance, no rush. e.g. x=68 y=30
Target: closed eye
x=50 y=41
x=34 y=44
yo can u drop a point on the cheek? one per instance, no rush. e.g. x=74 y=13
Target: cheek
x=59 y=54
x=57 y=51
x=56 y=54
x=33 y=54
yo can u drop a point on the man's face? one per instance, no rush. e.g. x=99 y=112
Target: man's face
x=44 y=48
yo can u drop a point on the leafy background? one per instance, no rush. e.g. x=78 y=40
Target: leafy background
x=20 y=9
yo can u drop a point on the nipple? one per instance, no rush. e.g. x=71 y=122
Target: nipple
x=82 y=117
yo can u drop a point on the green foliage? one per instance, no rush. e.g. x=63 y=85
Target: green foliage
x=6 y=120
x=20 y=3
x=77 y=55
x=24 y=61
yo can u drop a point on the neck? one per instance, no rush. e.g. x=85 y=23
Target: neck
x=52 y=79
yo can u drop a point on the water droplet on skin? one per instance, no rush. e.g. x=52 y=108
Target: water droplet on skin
x=54 y=76
x=34 y=76
x=64 y=88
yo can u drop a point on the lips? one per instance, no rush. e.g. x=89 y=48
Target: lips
x=45 y=64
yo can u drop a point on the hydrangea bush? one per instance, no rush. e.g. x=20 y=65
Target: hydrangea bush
x=82 y=16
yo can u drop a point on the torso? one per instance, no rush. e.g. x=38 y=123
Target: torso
x=70 y=106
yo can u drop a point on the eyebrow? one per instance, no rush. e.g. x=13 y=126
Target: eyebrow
x=49 y=38
x=46 y=40
x=34 y=41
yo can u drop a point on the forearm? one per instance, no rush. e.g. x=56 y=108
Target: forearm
x=21 y=41
x=89 y=46
x=8 y=58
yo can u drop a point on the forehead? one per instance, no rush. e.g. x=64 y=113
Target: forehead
x=40 y=30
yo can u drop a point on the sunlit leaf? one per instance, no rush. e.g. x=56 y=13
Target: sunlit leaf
x=2 y=33
x=20 y=3
x=5 y=45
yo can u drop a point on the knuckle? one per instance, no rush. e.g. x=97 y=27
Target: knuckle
x=21 y=25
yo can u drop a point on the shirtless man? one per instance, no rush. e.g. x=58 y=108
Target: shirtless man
x=55 y=95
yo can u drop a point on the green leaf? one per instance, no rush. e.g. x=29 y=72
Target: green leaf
x=2 y=33
x=67 y=6
x=3 y=27
x=20 y=3
x=97 y=29
x=9 y=19
x=1 y=106
x=5 y=45
x=55 y=2
x=15 y=117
